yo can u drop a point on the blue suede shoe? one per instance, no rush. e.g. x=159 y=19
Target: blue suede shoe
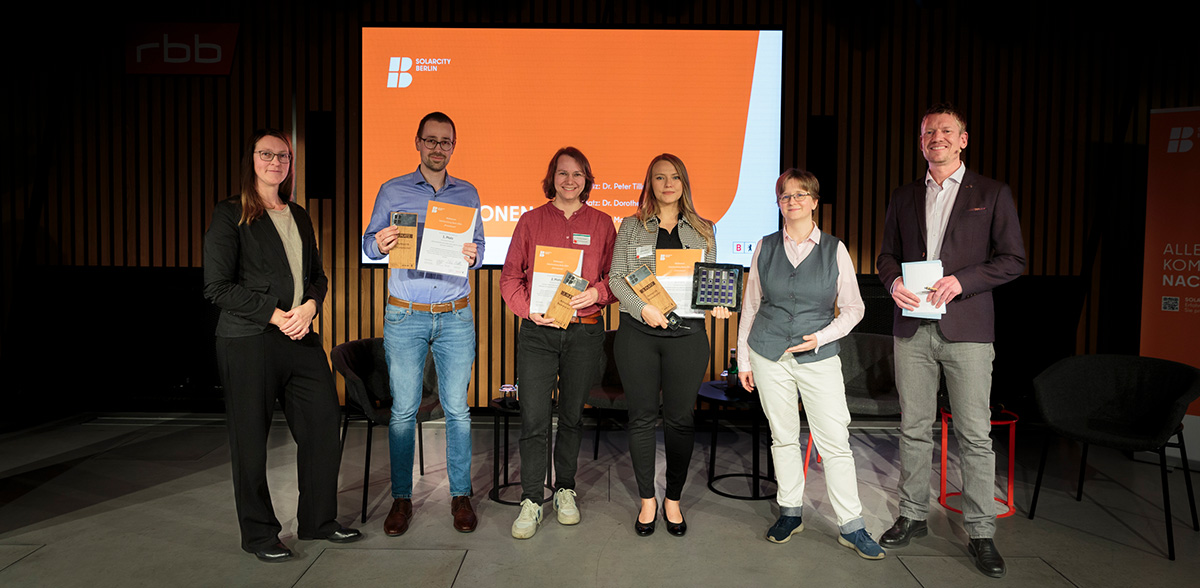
x=784 y=528
x=862 y=542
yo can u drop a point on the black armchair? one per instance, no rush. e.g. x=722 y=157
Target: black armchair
x=607 y=397
x=363 y=363
x=869 y=370
x=1127 y=403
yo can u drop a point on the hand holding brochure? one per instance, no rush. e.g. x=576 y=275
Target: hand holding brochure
x=918 y=277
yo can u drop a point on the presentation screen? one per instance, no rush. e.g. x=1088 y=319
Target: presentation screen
x=621 y=96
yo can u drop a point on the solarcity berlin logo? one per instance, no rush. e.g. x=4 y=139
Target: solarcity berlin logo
x=398 y=76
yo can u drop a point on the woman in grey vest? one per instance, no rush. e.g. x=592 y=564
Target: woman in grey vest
x=797 y=278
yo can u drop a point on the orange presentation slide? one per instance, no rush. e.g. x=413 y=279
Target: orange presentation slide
x=1171 y=277
x=621 y=96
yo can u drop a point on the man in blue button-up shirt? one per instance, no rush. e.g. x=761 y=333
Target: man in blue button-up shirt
x=427 y=311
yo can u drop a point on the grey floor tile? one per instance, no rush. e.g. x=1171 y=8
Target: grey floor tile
x=171 y=443
x=960 y=572
x=10 y=554
x=428 y=568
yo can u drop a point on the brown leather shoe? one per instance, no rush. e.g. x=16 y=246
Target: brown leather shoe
x=397 y=520
x=464 y=514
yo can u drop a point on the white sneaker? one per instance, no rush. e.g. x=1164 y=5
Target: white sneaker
x=564 y=503
x=527 y=522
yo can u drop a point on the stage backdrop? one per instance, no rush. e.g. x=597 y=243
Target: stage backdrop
x=621 y=96
x=1171 y=279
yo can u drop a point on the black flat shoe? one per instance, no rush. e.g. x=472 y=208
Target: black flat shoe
x=676 y=529
x=644 y=529
x=342 y=535
x=274 y=553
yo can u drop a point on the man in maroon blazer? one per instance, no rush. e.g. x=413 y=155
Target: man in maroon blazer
x=970 y=223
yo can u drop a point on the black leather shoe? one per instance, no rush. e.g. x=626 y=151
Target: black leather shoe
x=644 y=529
x=676 y=529
x=987 y=557
x=904 y=530
x=274 y=553
x=342 y=535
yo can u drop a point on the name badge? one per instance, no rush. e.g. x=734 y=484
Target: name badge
x=645 y=251
x=581 y=239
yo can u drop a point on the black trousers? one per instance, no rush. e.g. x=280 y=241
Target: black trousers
x=571 y=360
x=674 y=366
x=255 y=371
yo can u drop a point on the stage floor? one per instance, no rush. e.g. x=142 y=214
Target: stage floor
x=146 y=500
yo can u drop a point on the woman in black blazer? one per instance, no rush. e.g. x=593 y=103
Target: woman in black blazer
x=266 y=278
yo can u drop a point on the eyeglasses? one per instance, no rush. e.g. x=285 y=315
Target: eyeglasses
x=430 y=143
x=269 y=155
x=798 y=198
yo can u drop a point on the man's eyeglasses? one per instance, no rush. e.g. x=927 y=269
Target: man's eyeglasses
x=798 y=198
x=431 y=143
x=269 y=155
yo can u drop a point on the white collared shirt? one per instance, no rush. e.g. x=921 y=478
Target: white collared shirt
x=939 y=201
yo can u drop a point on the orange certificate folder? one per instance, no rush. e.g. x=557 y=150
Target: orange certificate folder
x=677 y=262
x=447 y=228
x=556 y=260
x=451 y=218
x=550 y=264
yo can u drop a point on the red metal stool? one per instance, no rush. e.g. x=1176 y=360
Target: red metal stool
x=808 y=453
x=1008 y=418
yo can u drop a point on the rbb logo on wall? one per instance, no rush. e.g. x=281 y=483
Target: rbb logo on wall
x=743 y=247
x=181 y=48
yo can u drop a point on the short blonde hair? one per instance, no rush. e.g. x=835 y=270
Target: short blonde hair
x=808 y=182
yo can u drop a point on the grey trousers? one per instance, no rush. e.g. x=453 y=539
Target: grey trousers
x=968 y=368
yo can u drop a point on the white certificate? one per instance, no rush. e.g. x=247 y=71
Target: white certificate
x=549 y=266
x=918 y=277
x=674 y=269
x=447 y=228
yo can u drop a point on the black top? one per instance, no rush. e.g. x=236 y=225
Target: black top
x=670 y=240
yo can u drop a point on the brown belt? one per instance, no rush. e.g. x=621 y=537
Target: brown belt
x=436 y=307
x=590 y=319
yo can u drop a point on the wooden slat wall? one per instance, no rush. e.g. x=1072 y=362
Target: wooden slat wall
x=106 y=169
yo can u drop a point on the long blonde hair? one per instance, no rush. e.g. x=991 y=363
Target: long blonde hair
x=648 y=204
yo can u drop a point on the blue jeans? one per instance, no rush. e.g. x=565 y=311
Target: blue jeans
x=408 y=336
